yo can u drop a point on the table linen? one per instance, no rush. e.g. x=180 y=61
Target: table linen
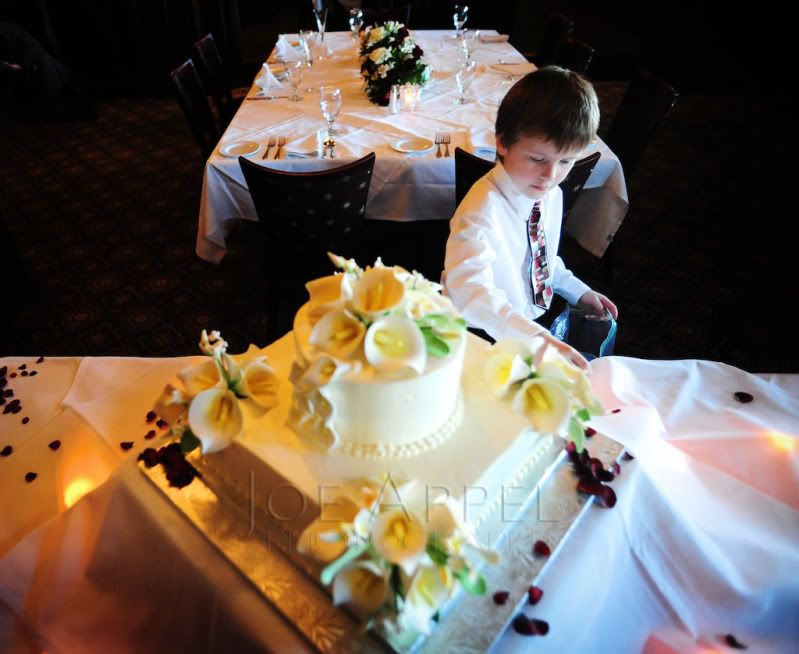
x=702 y=541
x=404 y=187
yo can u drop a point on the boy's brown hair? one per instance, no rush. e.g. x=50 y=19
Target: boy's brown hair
x=551 y=103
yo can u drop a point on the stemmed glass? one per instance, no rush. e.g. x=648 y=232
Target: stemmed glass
x=320 y=13
x=294 y=70
x=469 y=41
x=356 y=22
x=330 y=103
x=459 y=18
x=463 y=77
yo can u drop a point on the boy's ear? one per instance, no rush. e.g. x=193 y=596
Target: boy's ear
x=502 y=149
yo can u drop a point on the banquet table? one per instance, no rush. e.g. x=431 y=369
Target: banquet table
x=404 y=187
x=704 y=539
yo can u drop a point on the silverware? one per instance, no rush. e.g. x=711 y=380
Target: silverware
x=438 y=141
x=447 y=140
x=281 y=141
x=269 y=144
x=261 y=97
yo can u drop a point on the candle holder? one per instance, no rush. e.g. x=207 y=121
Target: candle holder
x=410 y=95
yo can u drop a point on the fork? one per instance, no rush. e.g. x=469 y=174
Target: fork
x=447 y=138
x=439 y=140
x=269 y=144
x=281 y=141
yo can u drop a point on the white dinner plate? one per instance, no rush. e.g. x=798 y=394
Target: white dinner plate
x=413 y=144
x=239 y=148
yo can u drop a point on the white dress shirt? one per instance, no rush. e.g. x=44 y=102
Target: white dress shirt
x=487 y=266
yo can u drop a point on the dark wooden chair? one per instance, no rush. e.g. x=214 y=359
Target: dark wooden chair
x=468 y=169
x=400 y=13
x=214 y=77
x=557 y=29
x=574 y=182
x=575 y=55
x=302 y=216
x=195 y=105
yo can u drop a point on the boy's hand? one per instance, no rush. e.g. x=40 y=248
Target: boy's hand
x=566 y=350
x=598 y=303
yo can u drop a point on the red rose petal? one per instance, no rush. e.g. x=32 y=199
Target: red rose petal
x=627 y=456
x=591 y=487
x=743 y=397
x=26 y=420
x=150 y=457
x=8 y=393
x=161 y=423
x=40 y=359
x=501 y=596
x=523 y=625
x=12 y=375
x=22 y=367
x=616 y=468
x=24 y=373
x=6 y=451
x=150 y=434
x=534 y=594
x=151 y=415
x=608 y=496
x=589 y=432
x=54 y=445
x=616 y=411
x=540 y=548
x=541 y=627
x=126 y=445
x=34 y=373
x=30 y=476
x=733 y=642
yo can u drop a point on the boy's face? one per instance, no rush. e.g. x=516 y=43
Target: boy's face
x=536 y=165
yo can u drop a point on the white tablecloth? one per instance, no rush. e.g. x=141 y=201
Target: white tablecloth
x=703 y=540
x=404 y=187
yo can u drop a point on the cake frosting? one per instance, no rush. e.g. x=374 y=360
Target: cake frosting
x=379 y=356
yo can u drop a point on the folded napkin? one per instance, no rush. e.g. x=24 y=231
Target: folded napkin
x=521 y=68
x=266 y=80
x=287 y=50
x=493 y=38
x=305 y=146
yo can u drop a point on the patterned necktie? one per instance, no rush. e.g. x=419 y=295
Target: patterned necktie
x=539 y=270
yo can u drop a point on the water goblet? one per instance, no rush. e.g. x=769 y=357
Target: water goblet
x=306 y=44
x=330 y=104
x=356 y=22
x=459 y=17
x=463 y=78
x=294 y=71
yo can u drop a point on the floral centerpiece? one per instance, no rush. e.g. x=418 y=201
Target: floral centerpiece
x=390 y=56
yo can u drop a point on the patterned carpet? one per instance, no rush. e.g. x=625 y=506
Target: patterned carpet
x=104 y=214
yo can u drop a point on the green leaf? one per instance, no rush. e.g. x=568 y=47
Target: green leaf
x=583 y=414
x=576 y=434
x=436 y=346
x=341 y=562
x=436 y=552
x=396 y=581
x=474 y=584
x=188 y=441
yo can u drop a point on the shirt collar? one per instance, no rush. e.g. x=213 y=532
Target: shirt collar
x=517 y=199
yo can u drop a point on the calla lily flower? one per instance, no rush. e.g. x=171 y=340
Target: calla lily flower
x=215 y=418
x=338 y=333
x=323 y=371
x=399 y=537
x=430 y=588
x=377 y=292
x=325 y=295
x=395 y=343
x=503 y=370
x=260 y=384
x=324 y=540
x=545 y=404
x=201 y=377
x=362 y=586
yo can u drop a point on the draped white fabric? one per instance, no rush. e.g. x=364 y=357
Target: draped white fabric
x=404 y=187
x=703 y=540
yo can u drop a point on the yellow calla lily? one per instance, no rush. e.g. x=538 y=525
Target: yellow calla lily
x=377 y=292
x=260 y=384
x=503 y=370
x=430 y=588
x=362 y=586
x=545 y=404
x=395 y=343
x=399 y=537
x=201 y=377
x=215 y=418
x=338 y=333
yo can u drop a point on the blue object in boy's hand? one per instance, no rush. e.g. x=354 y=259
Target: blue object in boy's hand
x=585 y=331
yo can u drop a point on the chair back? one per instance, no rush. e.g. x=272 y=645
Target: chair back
x=643 y=107
x=214 y=76
x=192 y=99
x=558 y=28
x=302 y=216
x=400 y=13
x=575 y=55
x=468 y=169
x=574 y=182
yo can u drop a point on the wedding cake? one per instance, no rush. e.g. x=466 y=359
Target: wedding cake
x=384 y=448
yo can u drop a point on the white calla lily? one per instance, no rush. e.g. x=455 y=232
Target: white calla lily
x=362 y=586
x=545 y=404
x=395 y=343
x=215 y=418
x=399 y=537
x=515 y=346
x=504 y=369
x=338 y=333
x=260 y=384
x=430 y=588
x=201 y=377
x=324 y=540
x=323 y=371
x=377 y=292
x=324 y=296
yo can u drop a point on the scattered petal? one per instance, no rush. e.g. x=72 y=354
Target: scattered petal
x=40 y=359
x=523 y=625
x=591 y=487
x=501 y=596
x=126 y=445
x=26 y=420
x=150 y=457
x=22 y=367
x=534 y=594
x=33 y=373
x=150 y=434
x=589 y=432
x=732 y=641
x=54 y=445
x=540 y=548
x=628 y=456
x=616 y=468
x=541 y=627
x=30 y=476
x=151 y=416
x=616 y=411
x=161 y=423
x=743 y=397
x=6 y=451
x=608 y=496
x=24 y=373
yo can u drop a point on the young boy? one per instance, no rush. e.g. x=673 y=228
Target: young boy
x=502 y=262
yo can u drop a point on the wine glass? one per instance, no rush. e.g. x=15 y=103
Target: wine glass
x=294 y=70
x=463 y=77
x=356 y=22
x=330 y=103
x=459 y=18
x=320 y=13
x=469 y=41
x=306 y=43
